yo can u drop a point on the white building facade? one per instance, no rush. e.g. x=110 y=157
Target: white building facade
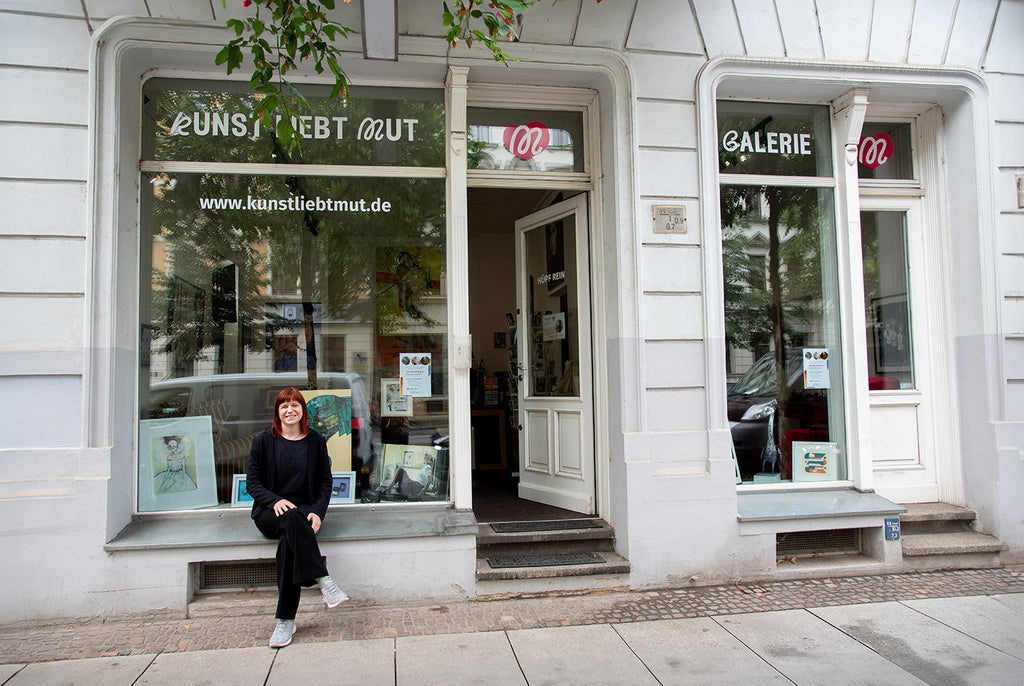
x=714 y=273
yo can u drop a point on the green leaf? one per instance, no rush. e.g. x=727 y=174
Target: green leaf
x=223 y=55
x=234 y=58
x=285 y=130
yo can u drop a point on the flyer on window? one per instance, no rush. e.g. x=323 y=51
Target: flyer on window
x=816 y=368
x=414 y=374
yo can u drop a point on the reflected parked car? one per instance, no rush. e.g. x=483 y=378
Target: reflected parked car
x=753 y=404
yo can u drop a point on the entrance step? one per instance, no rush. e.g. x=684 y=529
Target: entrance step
x=937 y=536
x=550 y=556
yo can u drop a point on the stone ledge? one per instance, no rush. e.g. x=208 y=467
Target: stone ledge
x=235 y=527
x=775 y=506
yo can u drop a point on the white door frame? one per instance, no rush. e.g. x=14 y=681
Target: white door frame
x=586 y=100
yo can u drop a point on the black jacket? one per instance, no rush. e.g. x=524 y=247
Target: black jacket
x=261 y=479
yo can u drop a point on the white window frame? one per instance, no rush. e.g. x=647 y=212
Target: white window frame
x=848 y=88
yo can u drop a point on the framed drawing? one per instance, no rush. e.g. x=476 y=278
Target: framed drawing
x=176 y=470
x=330 y=415
x=414 y=459
x=815 y=461
x=392 y=402
x=343 y=490
x=239 y=496
x=891 y=333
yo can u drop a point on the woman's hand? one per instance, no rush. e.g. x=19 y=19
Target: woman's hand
x=282 y=506
x=314 y=521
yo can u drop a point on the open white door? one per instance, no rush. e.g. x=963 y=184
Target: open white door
x=556 y=441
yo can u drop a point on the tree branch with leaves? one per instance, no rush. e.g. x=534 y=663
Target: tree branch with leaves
x=280 y=35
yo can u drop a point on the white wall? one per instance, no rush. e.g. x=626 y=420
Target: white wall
x=674 y=493
x=52 y=492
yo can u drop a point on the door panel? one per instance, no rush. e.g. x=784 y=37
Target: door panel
x=896 y=320
x=553 y=338
x=570 y=460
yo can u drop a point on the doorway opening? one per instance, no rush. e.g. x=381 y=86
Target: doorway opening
x=500 y=376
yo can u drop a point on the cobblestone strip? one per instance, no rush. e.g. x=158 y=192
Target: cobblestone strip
x=354 y=620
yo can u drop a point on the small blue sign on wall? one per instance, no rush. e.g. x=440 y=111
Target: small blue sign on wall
x=892 y=529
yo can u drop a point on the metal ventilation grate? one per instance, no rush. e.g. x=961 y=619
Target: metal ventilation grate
x=817 y=542
x=237 y=574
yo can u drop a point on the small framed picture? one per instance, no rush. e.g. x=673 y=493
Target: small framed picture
x=815 y=461
x=392 y=402
x=499 y=339
x=343 y=490
x=239 y=496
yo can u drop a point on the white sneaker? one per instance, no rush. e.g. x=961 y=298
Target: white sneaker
x=333 y=595
x=282 y=635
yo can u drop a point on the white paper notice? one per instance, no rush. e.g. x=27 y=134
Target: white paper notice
x=414 y=374
x=554 y=326
x=816 y=368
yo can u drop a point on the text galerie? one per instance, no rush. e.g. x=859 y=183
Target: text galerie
x=776 y=143
x=317 y=127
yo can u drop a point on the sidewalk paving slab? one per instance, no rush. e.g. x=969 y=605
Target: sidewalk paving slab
x=1014 y=601
x=938 y=654
x=458 y=660
x=696 y=651
x=109 y=671
x=232 y=667
x=578 y=656
x=369 y=662
x=807 y=650
x=980 y=617
x=7 y=671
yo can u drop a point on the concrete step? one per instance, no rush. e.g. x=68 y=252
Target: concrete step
x=539 y=570
x=568 y=530
x=917 y=545
x=594 y=584
x=612 y=563
x=935 y=518
x=930 y=512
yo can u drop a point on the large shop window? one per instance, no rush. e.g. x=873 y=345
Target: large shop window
x=256 y=278
x=781 y=292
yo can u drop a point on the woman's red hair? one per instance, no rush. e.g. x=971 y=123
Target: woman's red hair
x=287 y=395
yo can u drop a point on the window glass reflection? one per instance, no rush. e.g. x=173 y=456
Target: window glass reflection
x=886 y=298
x=336 y=286
x=525 y=140
x=782 y=333
x=885 y=151
x=554 y=354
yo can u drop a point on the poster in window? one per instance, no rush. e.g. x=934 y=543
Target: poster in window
x=176 y=470
x=414 y=374
x=815 y=461
x=891 y=330
x=330 y=415
x=815 y=361
x=554 y=326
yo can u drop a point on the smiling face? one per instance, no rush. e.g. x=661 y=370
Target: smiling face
x=290 y=414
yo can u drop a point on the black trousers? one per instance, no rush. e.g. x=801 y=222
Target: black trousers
x=299 y=561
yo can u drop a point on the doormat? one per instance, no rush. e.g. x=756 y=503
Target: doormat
x=545 y=525
x=554 y=560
